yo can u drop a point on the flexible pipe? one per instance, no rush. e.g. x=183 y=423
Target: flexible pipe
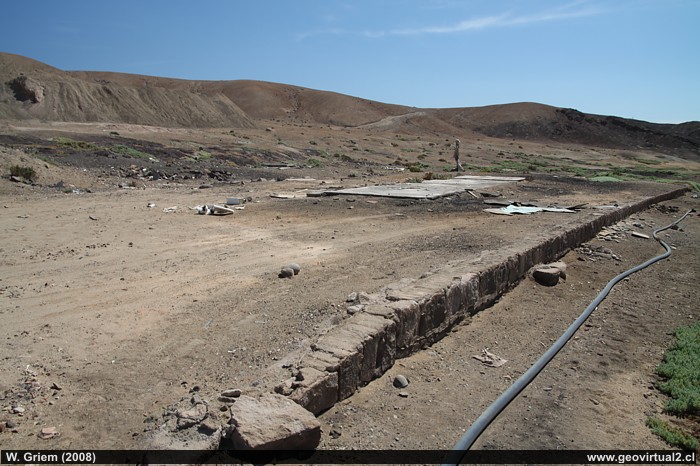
x=456 y=455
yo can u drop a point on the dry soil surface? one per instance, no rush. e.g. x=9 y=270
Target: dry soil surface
x=115 y=306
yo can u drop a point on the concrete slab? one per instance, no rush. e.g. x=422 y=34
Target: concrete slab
x=431 y=189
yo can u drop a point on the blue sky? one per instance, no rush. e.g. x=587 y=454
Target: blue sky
x=631 y=58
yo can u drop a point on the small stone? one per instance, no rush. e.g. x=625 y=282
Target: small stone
x=403 y=394
x=232 y=393
x=55 y=386
x=400 y=381
x=295 y=267
x=226 y=399
x=192 y=416
x=48 y=432
x=10 y=424
x=18 y=410
x=548 y=275
x=335 y=433
x=352 y=297
x=286 y=272
x=355 y=309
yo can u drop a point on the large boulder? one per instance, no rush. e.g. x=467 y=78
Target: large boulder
x=27 y=89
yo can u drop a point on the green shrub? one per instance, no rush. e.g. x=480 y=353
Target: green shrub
x=672 y=435
x=681 y=369
x=436 y=176
x=130 y=152
x=27 y=173
x=202 y=155
x=73 y=144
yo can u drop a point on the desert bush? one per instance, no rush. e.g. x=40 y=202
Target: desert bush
x=436 y=176
x=27 y=173
x=73 y=144
x=672 y=435
x=681 y=371
x=130 y=152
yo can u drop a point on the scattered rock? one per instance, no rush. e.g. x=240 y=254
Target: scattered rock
x=400 y=381
x=18 y=410
x=295 y=267
x=192 y=416
x=47 y=433
x=286 y=272
x=272 y=422
x=355 y=308
x=55 y=386
x=335 y=432
x=595 y=251
x=403 y=394
x=549 y=274
x=287 y=387
x=358 y=298
x=232 y=393
x=10 y=424
x=489 y=359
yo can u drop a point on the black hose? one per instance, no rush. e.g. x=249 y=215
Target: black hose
x=456 y=455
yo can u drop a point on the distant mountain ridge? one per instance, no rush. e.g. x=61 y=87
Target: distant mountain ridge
x=30 y=89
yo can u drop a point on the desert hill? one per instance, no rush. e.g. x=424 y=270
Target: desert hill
x=33 y=90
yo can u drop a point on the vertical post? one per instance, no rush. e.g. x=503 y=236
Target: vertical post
x=458 y=167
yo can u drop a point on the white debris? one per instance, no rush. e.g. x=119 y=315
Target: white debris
x=213 y=209
x=490 y=359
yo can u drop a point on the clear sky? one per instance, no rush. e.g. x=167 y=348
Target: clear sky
x=631 y=58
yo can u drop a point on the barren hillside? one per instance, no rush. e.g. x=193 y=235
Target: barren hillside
x=33 y=90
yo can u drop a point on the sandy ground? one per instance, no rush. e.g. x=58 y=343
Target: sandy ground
x=113 y=310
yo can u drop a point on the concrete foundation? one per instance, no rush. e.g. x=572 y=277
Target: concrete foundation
x=413 y=314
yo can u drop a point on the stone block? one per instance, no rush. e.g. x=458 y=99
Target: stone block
x=324 y=362
x=386 y=349
x=407 y=320
x=433 y=312
x=316 y=391
x=272 y=422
